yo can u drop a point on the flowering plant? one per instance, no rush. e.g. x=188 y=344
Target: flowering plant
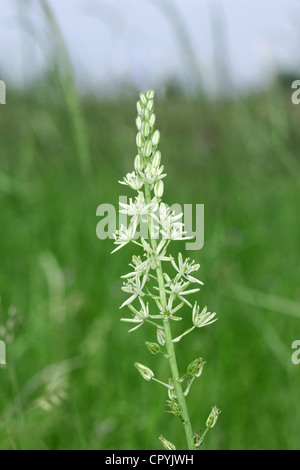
x=147 y=278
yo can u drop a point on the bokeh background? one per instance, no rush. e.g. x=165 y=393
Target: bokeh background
x=222 y=71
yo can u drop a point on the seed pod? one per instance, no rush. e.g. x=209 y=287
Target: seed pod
x=212 y=419
x=156 y=137
x=174 y=407
x=159 y=189
x=161 y=337
x=167 y=444
x=153 y=347
x=145 y=372
x=195 y=368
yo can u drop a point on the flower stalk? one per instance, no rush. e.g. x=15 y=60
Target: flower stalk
x=169 y=341
x=148 y=281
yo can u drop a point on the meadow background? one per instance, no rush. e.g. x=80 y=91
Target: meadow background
x=69 y=382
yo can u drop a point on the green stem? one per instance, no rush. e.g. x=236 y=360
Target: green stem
x=162 y=383
x=169 y=341
x=183 y=334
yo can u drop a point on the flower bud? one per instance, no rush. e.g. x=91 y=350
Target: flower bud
x=143 y=99
x=139 y=108
x=153 y=347
x=147 y=114
x=147 y=149
x=139 y=140
x=156 y=159
x=152 y=120
x=167 y=444
x=145 y=372
x=138 y=163
x=212 y=419
x=150 y=95
x=145 y=129
x=156 y=137
x=138 y=122
x=159 y=189
x=150 y=105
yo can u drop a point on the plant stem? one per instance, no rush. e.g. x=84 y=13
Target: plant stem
x=169 y=341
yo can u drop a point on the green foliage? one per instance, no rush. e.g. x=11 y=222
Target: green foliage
x=68 y=374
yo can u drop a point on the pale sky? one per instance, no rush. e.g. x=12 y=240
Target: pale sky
x=142 y=42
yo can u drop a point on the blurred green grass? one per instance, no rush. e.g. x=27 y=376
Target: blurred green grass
x=240 y=158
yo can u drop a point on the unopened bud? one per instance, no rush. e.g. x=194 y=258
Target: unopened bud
x=159 y=189
x=138 y=122
x=156 y=159
x=152 y=120
x=139 y=140
x=139 y=108
x=138 y=163
x=147 y=114
x=143 y=99
x=150 y=95
x=156 y=137
x=150 y=105
x=145 y=372
x=147 y=149
x=145 y=129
